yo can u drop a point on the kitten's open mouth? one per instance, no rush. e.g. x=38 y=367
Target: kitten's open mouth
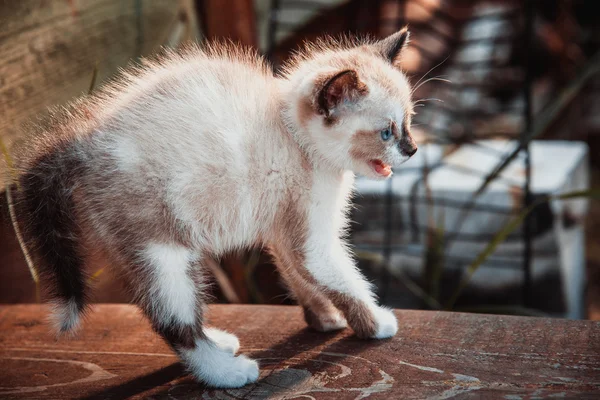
x=381 y=168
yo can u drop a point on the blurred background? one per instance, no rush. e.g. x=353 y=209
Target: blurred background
x=508 y=117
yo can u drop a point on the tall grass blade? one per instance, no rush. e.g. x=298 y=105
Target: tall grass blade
x=12 y=176
x=411 y=285
x=93 y=81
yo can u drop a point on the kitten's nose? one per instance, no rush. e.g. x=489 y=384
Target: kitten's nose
x=407 y=145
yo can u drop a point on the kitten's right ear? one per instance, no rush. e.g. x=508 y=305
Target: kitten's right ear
x=340 y=88
x=391 y=47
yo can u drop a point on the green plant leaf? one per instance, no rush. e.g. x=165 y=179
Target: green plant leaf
x=434 y=259
x=434 y=247
x=95 y=275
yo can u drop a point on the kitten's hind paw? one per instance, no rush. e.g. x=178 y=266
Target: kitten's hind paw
x=242 y=371
x=224 y=340
x=219 y=368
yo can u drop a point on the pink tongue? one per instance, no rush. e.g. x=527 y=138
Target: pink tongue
x=381 y=168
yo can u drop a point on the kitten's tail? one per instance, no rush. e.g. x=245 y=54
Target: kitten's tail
x=45 y=212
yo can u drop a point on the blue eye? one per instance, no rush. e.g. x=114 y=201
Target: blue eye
x=386 y=134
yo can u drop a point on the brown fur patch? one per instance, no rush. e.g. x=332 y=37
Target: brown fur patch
x=320 y=318
x=367 y=145
x=356 y=312
x=358 y=315
x=306 y=112
x=317 y=307
x=330 y=120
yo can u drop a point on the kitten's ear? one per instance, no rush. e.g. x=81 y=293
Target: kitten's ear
x=391 y=47
x=340 y=88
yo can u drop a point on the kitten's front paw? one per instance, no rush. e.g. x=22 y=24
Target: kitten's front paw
x=224 y=340
x=326 y=322
x=386 y=324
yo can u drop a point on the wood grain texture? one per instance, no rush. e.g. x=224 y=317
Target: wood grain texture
x=435 y=355
x=48 y=49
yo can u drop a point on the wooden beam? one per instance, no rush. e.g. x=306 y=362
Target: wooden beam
x=434 y=355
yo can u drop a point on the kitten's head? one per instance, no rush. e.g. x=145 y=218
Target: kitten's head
x=349 y=104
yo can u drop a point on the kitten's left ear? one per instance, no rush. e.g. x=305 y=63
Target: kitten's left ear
x=391 y=47
x=340 y=88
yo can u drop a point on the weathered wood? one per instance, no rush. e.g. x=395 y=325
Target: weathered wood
x=435 y=355
x=48 y=49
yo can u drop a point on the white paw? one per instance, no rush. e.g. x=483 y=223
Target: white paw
x=386 y=323
x=242 y=371
x=224 y=340
x=219 y=368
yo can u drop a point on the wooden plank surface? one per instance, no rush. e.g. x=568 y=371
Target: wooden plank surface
x=435 y=355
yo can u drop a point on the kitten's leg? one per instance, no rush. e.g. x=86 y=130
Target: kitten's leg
x=325 y=261
x=319 y=311
x=171 y=296
x=332 y=266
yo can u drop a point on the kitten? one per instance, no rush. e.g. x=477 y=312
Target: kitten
x=206 y=151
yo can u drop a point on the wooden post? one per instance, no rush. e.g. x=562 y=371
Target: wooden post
x=233 y=19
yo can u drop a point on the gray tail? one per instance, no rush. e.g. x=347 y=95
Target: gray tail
x=45 y=212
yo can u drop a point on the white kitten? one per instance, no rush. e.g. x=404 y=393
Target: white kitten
x=204 y=152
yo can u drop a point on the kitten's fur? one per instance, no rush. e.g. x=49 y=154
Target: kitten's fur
x=204 y=152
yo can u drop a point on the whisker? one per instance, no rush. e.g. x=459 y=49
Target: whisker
x=429 y=99
x=436 y=78
x=428 y=72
